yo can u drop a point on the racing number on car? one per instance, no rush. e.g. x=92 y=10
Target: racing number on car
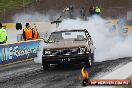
x=68 y=59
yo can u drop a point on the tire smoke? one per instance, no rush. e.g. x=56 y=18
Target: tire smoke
x=109 y=45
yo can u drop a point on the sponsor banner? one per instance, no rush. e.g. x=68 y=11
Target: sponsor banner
x=19 y=51
x=1 y=53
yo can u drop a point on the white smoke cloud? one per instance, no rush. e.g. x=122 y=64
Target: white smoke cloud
x=38 y=59
x=108 y=45
x=35 y=17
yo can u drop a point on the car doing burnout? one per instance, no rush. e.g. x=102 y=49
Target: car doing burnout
x=68 y=46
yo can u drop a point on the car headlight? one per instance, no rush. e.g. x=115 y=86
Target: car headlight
x=47 y=52
x=82 y=50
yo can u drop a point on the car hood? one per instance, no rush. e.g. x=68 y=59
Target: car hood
x=66 y=44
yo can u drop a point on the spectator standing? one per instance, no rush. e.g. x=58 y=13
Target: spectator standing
x=27 y=32
x=83 y=13
x=97 y=10
x=3 y=35
x=92 y=10
x=35 y=33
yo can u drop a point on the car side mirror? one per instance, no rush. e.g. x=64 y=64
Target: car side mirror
x=46 y=40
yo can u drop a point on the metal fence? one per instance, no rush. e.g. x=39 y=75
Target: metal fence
x=114 y=12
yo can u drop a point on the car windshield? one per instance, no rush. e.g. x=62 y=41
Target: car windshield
x=78 y=35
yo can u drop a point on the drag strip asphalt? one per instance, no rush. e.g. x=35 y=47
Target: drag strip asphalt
x=31 y=75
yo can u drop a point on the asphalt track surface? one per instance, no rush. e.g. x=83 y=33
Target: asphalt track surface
x=31 y=75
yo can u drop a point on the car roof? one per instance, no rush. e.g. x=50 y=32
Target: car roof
x=68 y=30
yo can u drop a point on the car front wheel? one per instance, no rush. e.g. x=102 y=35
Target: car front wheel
x=46 y=66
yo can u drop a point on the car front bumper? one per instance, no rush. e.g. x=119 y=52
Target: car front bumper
x=64 y=58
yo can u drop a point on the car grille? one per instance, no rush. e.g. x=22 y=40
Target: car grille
x=65 y=51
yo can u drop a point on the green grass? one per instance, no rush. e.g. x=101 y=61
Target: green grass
x=13 y=4
x=10 y=5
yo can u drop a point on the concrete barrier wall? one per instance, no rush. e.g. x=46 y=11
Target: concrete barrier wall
x=121 y=73
x=46 y=26
x=124 y=72
x=10 y=53
x=43 y=27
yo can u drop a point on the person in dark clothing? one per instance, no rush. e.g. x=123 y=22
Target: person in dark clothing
x=92 y=11
x=83 y=13
x=71 y=10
